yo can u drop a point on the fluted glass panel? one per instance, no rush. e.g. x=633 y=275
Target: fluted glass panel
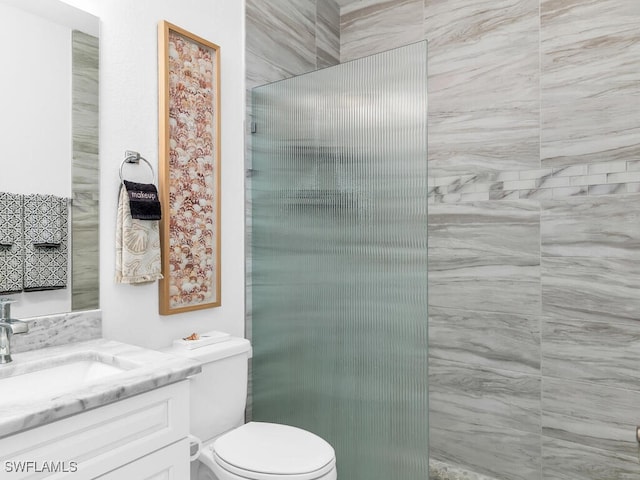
x=339 y=260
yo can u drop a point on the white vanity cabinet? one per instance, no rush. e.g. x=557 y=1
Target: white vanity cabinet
x=141 y=437
x=165 y=464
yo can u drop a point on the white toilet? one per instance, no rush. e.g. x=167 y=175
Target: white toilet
x=253 y=451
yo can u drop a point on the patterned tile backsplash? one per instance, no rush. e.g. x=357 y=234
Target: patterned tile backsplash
x=607 y=178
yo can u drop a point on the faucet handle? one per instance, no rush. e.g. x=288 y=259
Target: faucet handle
x=5 y=308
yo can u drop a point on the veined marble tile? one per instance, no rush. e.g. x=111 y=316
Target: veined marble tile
x=85 y=266
x=591 y=288
x=609 y=189
x=570 y=461
x=590 y=81
x=483 y=85
x=592 y=415
x=373 y=26
x=85 y=214
x=484 y=396
x=59 y=329
x=85 y=93
x=494 y=340
x=486 y=283
x=327 y=33
x=444 y=471
x=497 y=228
x=281 y=40
x=489 y=450
x=145 y=370
x=602 y=352
x=260 y=72
x=591 y=227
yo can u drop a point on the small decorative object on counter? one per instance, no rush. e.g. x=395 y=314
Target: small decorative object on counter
x=196 y=340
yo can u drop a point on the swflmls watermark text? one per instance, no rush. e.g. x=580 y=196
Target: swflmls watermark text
x=28 y=466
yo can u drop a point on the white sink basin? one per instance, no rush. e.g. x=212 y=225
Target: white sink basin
x=58 y=376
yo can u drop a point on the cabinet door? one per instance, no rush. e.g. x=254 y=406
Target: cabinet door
x=169 y=463
x=102 y=439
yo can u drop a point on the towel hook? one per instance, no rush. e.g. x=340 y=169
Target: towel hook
x=134 y=157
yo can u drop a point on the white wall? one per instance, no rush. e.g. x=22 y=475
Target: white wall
x=129 y=121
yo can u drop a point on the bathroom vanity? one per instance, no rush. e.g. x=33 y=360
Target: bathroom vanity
x=96 y=409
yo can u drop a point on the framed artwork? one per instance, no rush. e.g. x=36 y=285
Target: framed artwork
x=189 y=168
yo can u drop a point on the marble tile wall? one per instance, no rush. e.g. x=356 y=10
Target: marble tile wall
x=85 y=215
x=289 y=37
x=284 y=38
x=373 y=26
x=444 y=471
x=327 y=33
x=590 y=87
x=280 y=40
x=534 y=155
x=534 y=143
x=481 y=249
x=58 y=329
x=604 y=178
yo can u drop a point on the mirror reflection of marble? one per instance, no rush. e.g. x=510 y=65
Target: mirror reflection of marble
x=49 y=133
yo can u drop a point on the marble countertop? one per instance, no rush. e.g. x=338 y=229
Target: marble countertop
x=144 y=370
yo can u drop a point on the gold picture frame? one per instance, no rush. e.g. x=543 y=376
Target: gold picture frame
x=189 y=170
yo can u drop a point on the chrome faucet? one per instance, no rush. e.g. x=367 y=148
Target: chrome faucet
x=8 y=326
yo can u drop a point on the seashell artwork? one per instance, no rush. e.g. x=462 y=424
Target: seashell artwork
x=191 y=250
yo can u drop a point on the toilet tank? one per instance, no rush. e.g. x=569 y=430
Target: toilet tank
x=219 y=393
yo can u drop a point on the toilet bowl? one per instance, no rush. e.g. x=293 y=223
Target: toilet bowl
x=231 y=449
x=266 y=451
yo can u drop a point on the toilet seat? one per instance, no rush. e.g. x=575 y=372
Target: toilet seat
x=267 y=451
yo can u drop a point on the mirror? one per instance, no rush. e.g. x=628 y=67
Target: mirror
x=49 y=133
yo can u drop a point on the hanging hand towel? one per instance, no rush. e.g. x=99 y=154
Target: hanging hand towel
x=11 y=243
x=10 y=218
x=46 y=252
x=137 y=246
x=143 y=201
x=48 y=222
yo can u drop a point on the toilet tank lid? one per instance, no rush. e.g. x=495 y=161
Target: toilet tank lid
x=215 y=351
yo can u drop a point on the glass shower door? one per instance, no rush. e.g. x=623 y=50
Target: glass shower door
x=339 y=260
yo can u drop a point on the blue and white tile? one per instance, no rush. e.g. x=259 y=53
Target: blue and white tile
x=483 y=85
x=590 y=84
x=491 y=340
x=602 y=351
x=373 y=26
x=592 y=415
